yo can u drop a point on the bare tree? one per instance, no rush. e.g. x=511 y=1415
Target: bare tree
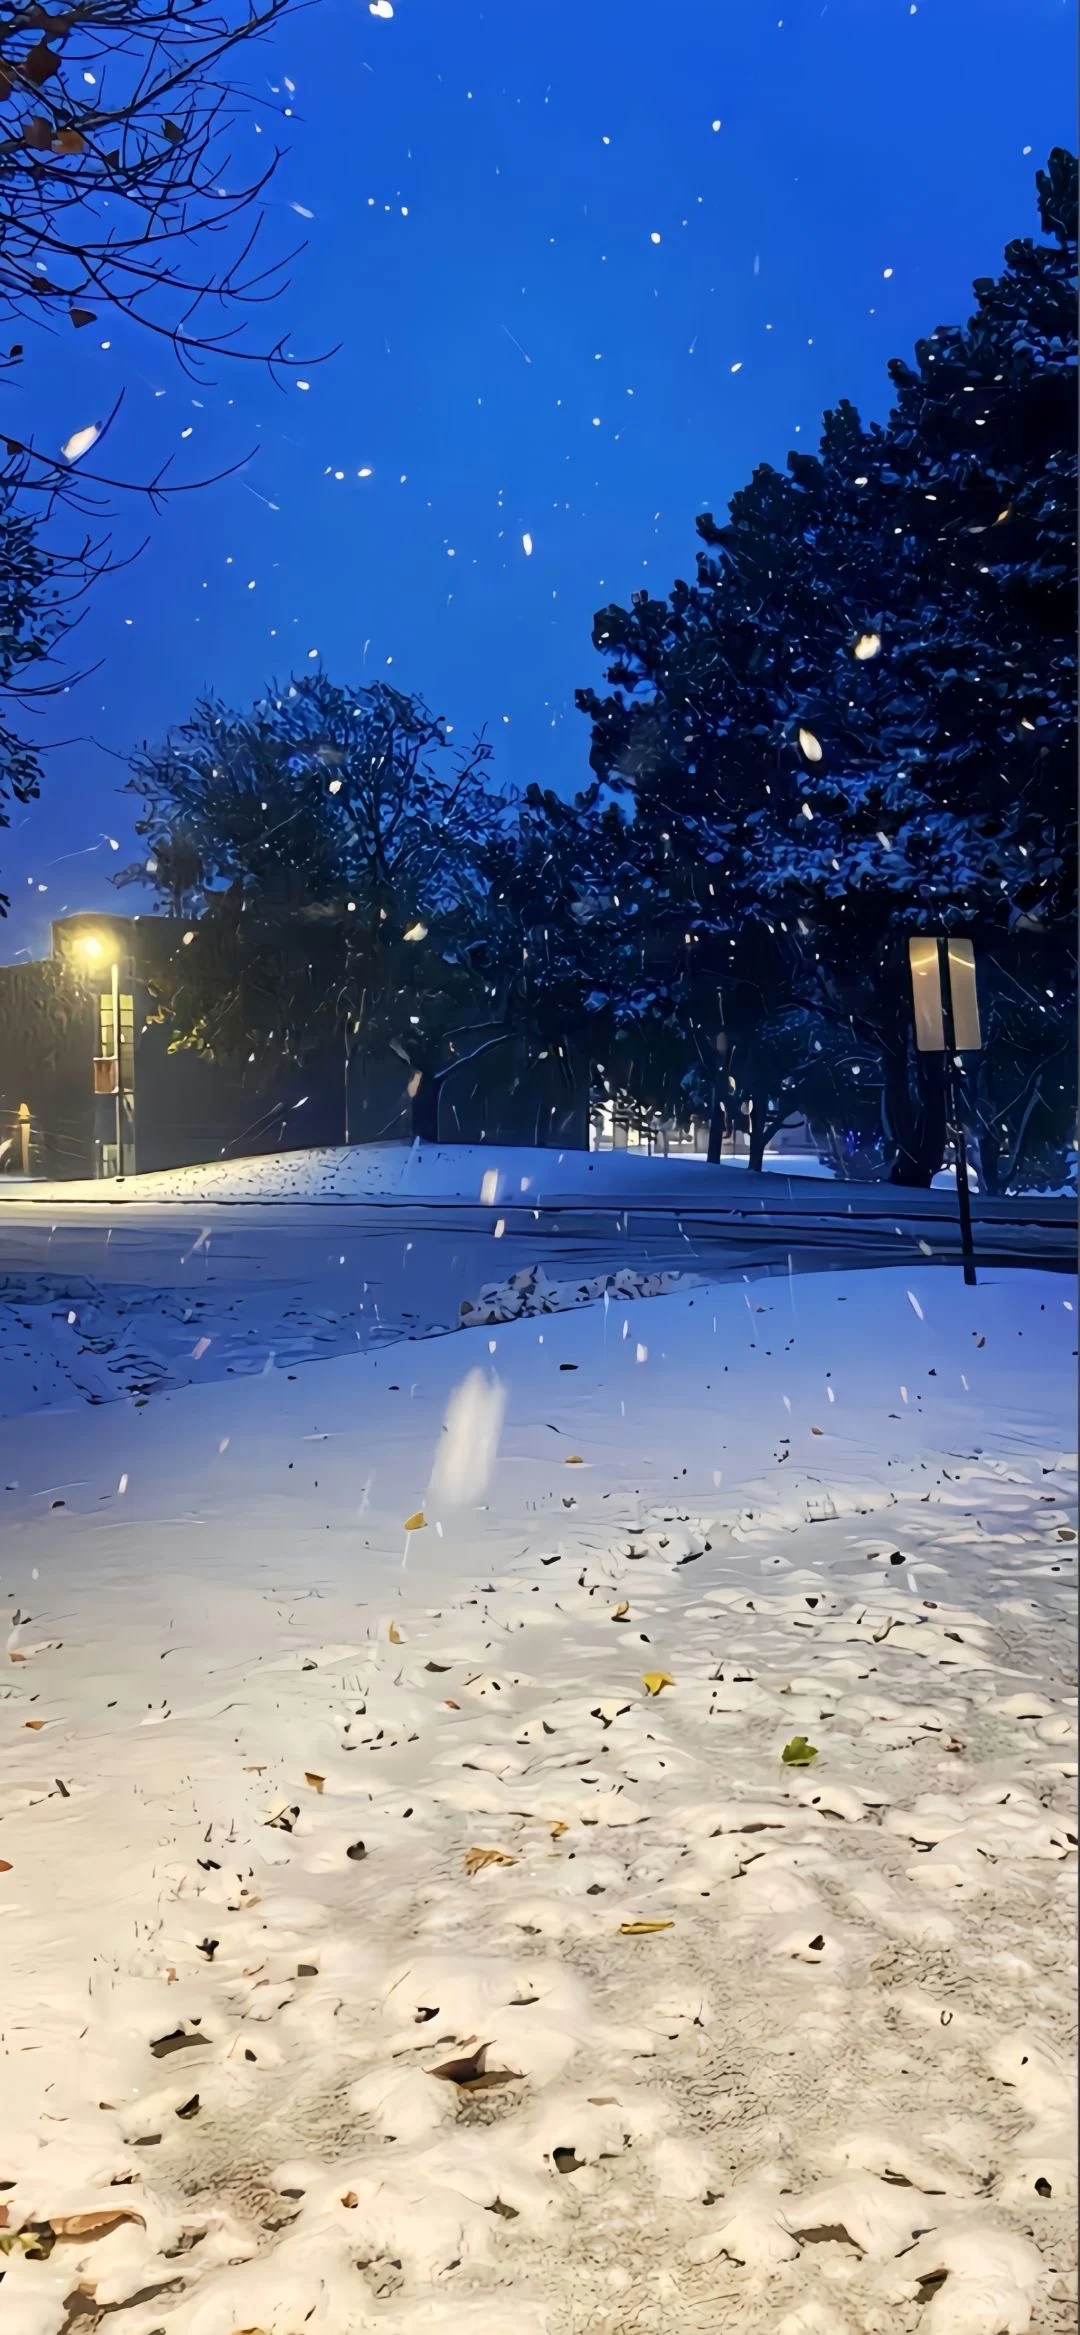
x=127 y=192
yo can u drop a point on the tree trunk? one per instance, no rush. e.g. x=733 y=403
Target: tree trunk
x=425 y=1108
x=759 y=1136
x=913 y=1116
x=717 y=1130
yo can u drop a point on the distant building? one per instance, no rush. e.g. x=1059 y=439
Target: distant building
x=60 y=1071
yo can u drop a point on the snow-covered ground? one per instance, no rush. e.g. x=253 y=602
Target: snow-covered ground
x=408 y=1917
x=492 y=1175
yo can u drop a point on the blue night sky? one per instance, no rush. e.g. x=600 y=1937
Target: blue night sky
x=519 y=354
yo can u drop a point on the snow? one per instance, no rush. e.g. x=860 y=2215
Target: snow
x=489 y=1176
x=711 y=2039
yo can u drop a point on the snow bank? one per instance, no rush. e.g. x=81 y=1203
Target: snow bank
x=410 y=1915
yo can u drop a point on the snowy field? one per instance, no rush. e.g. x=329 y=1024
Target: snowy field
x=409 y=1918
x=219 y=1272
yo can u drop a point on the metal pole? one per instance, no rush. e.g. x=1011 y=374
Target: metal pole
x=117 y=1050
x=24 y=1137
x=963 y=1192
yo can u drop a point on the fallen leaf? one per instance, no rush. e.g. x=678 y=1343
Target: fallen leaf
x=477 y=1859
x=95 y=2225
x=5 y=1867
x=34 y=1724
x=350 y=2199
x=470 y=2072
x=642 y=1929
x=394 y=1633
x=619 y=1612
x=189 y=2109
x=36 y=2241
x=316 y=1782
x=811 y=746
x=575 y=1460
x=798 y=1753
x=817 y=1430
x=557 y=1827
x=69 y=141
x=254 y=1771
x=654 y=1681
x=416 y=1523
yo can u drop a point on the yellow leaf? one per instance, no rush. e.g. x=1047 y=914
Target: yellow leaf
x=316 y=1782
x=654 y=1681
x=619 y=1612
x=642 y=1929
x=416 y=1523
x=394 y=1634
x=477 y=1859
x=575 y=1460
x=557 y=1828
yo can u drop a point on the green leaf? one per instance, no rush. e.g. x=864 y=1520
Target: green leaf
x=798 y=1753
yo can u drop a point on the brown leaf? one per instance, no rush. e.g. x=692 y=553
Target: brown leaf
x=470 y=2073
x=477 y=1859
x=575 y=1460
x=96 y=2224
x=172 y=132
x=69 y=141
x=557 y=1827
x=394 y=1634
x=81 y=316
x=316 y=1782
x=39 y=64
x=5 y=1867
x=619 y=1612
x=34 y=1725
x=642 y=1929
x=38 y=134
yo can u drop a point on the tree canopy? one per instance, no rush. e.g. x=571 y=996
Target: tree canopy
x=859 y=721
x=329 y=849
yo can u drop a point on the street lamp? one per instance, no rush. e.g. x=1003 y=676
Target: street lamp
x=92 y=948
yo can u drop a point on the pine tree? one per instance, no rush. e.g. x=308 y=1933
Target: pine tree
x=862 y=715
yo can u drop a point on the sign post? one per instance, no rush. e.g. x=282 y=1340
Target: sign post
x=947 y=1023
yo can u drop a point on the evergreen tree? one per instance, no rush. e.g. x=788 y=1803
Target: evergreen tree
x=859 y=722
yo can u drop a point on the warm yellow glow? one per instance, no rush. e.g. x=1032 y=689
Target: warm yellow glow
x=91 y=946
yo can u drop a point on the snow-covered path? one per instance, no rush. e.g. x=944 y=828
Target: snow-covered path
x=419 y=1928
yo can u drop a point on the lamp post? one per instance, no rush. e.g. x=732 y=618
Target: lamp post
x=114 y=972
x=947 y=1023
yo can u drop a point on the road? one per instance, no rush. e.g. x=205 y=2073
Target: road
x=130 y=1299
